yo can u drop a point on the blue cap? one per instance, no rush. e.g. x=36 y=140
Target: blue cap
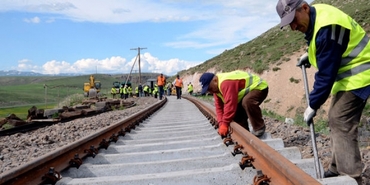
x=205 y=80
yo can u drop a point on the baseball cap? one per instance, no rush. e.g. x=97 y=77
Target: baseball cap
x=205 y=80
x=286 y=10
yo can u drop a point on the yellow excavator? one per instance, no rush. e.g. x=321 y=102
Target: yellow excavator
x=92 y=88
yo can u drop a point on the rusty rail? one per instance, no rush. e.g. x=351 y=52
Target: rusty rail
x=45 y=169
x=276 y=168
x=271 y=166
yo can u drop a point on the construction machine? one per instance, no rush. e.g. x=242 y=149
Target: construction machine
x=92 y=88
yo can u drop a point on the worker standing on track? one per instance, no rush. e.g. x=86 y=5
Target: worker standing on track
x=155 y=91
x=339 y=48
x=169 y=88
x=125 y=92
x=140 y=88
x=121 y=91
x=178 y=84
x=129 y=91
x=237 y=96
x=113 y=92
x=137 y=91
x=161 y=81
x=190 y=88
x=150 y=90
x=146 y=90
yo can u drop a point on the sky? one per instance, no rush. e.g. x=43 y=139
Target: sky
x=104 y=36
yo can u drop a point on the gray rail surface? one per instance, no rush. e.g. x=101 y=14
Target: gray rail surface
x=176 y=145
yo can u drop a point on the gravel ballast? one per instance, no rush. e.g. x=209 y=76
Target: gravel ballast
x=18 y=149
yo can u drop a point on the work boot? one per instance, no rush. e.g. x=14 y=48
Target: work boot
x=330 y=174
x=259 y=132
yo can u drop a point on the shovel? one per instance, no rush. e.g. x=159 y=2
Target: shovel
x=303 y=63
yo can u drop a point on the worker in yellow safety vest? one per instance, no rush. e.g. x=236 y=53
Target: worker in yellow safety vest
x=340 y=49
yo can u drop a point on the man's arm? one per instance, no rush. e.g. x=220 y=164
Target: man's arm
x=219 y=107
x=229 y=89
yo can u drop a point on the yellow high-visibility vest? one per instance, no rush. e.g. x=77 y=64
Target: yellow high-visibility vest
x=354 y=69
x=251 y=82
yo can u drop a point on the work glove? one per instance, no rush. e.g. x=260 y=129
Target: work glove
x=308 y=115
x=223 y=129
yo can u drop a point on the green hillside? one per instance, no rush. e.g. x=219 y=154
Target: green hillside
x=268 y=48
x=17 y=91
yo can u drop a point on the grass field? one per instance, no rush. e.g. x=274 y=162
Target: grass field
x=18 y=94
x=22 y=111
x=19 y=91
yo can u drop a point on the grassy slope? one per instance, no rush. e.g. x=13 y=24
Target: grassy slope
x=271 y=46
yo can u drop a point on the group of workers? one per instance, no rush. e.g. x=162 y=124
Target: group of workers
x=124 y=91
x=339 y=48
x=168 y=87
x=160 y=89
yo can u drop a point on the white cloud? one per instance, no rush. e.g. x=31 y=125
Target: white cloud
x=23 y=61
x=26 y=65
x=222 y=25
x=215 y=32
x=168 y=67
x=33 y=20
x=111 y=65
x=55 y=67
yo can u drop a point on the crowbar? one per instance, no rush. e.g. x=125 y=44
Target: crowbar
x=303 y=63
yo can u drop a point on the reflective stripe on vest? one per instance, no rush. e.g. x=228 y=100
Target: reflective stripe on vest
x=251 y=82
x=354 y=53
x=355 y=67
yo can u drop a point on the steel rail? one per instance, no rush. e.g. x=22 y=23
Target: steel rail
x=276 y=167
x=34 y=172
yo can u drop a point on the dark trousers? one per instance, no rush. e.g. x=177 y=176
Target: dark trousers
x=161 y=91
x=344 y=117
x=249 y=107
x=178 y=92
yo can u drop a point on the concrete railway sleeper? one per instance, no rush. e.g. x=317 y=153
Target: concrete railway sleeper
x=178 y=144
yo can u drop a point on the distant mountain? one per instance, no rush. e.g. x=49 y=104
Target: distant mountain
x=28 y=73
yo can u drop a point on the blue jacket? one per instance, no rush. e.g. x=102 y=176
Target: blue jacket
x=328 y=55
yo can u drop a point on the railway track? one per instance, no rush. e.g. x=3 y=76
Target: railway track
x=178 y=144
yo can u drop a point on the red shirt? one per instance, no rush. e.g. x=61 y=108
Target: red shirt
x=226 y=110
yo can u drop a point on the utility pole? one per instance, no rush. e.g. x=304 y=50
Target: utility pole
x=138 y=49
x=46 y=95
x=137 y=80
